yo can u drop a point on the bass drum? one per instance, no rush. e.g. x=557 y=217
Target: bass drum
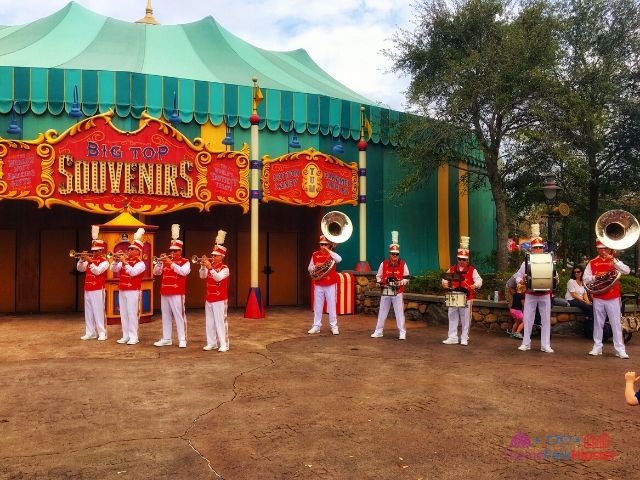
x=540 y=269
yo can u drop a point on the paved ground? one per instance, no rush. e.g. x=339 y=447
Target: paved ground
x=285 y=405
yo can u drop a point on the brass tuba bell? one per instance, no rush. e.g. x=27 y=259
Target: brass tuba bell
x=617 y=229
x=336 y=227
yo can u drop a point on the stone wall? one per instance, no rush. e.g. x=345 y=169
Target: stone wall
x=431 y=309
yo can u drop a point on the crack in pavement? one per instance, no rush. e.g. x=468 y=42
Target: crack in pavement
x=185 y=437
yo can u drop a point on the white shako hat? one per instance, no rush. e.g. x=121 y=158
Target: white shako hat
x=463 y=250
x=176 y=243
x=395 y=246
x=218 y=248
x=137 y=239
x=96 y=243
x=536 y=239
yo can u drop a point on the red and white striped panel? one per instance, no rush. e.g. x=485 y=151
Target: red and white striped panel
x=345 y=296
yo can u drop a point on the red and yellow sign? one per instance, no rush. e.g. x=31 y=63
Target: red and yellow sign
x=309 y=178
x=96 y=167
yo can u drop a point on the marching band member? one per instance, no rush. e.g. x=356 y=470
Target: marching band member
x=174 y=270
x=535 y=299
x=392 y=272
x=131 y=271
x=324 y=287
x=217 y=275
x=96 y=266
x=608 y=303
x=470 y=282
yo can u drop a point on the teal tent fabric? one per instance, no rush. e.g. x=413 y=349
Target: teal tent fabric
x=130 y=68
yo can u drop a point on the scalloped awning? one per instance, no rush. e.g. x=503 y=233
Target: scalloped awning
x=131 y=67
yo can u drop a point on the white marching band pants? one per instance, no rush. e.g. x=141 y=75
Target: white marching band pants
x=543 y=303
x=320 y=293
x=216 y=320
x=173 y=309
x=398 y=309
x=129 y=308
x=462 y=316
x=94 y=313
x=607 y=308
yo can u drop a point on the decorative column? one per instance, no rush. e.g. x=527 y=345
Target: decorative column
x=255 y=306
x=362 y=265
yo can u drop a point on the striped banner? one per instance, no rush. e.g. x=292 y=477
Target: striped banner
x=345 y=296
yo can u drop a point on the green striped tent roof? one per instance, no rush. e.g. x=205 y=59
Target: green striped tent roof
x=131 y=67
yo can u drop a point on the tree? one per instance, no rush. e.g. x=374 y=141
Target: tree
x=595 y=115
x=479 y=73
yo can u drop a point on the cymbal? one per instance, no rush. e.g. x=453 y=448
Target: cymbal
x=452 y=276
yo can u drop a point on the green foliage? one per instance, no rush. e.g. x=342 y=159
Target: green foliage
x=630 y=284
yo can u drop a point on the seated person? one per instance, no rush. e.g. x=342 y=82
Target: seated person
x=576 y=293
x=516 y=312
x=631 y=396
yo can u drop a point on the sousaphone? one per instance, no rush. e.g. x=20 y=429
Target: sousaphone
x=617 y=230
x=337 y=228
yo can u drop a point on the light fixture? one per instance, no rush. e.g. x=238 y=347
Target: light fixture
x=228 y=139
x=174 y=118
x=292 y=139
x=550 y=187
x=75 y=111
x=337 y=147
x=15 y=127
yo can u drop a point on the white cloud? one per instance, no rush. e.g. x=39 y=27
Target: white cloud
x=344 y=37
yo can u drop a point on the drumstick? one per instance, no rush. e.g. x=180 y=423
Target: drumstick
x=637 y=378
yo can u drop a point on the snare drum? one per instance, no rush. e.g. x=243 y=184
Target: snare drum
x=455 y=299
x=389 y=291
x=540 y=270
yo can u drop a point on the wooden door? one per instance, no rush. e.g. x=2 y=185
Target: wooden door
x=58 y=276
x=243 y=274
x=8 y=271
x=283 y=263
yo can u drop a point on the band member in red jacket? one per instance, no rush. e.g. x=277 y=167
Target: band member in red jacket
x=129 y=287
x=174 y=270
x=324 y=286
x=540 y=299
x=393 y=275
x=471 y=281
x=95 y=266
x=607 y=303
x=216 y=274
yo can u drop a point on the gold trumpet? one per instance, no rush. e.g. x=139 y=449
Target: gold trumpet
x=200 y=259
x=78 y=255
x=161 y=258
x=116 y=256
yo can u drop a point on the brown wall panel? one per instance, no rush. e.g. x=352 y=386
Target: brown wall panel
x=8 y=271
x=57 y=271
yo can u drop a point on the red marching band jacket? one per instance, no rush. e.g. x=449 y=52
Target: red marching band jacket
x=128 y=282
x=598 y=267
x=172 y=283
x=319 y=257
x=468 y=279
x=216 y=291
x=396 y=271
x=95 y=282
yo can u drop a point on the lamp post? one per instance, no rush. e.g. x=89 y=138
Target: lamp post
x=550 y=190
x=292 y=137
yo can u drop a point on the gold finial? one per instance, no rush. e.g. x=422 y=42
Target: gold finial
x=148 y=17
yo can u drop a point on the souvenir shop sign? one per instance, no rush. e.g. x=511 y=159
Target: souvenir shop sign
x=309 y=178
x=95 y=167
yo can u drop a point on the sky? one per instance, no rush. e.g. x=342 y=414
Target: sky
x=344 y=37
